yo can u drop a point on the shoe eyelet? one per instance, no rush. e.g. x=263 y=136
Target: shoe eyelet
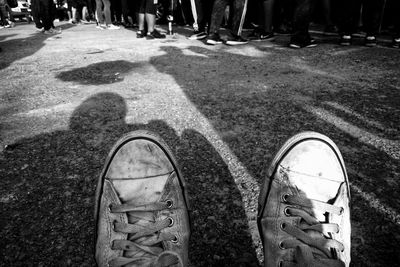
x=280 y=245
x=169 y=203
x=280 y=263
x=109 y=208
x=282 y=226
x=175 y=240
x=171 y=221
x=285 y=198
x=286 y=211
x=341 y=211
x=113 y=225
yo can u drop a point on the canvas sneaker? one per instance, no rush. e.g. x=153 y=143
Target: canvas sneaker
x=303 y=213
x=112 y=27
x=370 y=41
x=141 y=208
x=345 y=40
x=101 y=26
x=214 y=39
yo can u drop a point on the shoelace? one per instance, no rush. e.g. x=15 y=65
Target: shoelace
x=143 y=239
x=315 y=237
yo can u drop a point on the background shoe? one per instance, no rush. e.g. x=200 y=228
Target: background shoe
x=330 y=29
x=140 y=34
x=141 y=207
x=49 y=32
x=396 y=43
x=345 y=40
x=236 y=40
x=261 y=35
x=214 y=39
x=155 y=35
x=370 y=41
x=198 y=35
x=112 y=27
x=306 y=44
x=101 y=26
x=304 y=213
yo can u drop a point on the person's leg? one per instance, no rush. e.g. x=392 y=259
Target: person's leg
x=218 y=12
x=45 y=8
x=396 y=35
x=99 y=12
x=126 y=13
x=217 y=15
x=35 y=5
x=141 y=8
x=348 y=20
x=327 y=10
x=150 y=16
x=141 y=207
x=107 y=11
x=301 y=22
x=239 y=9
x=151 y=21
x=265 y=20
x=85 y=14
x=304 y=205
x=118 y=11
x=268 y=8
x=372 y=11
x=3 y=13
x=74 y=15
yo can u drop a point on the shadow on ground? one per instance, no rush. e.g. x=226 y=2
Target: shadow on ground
x=256 y=98
x=16 y=49
x=49 y=182
x=99 y=73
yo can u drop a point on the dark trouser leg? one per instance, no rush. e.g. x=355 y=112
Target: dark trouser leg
x=371 y=16
x=239 y=14
x=301 y=20
x=126 y=12
x=217 y=15
x=350 y=13
x=117 y=8
x=46 y=13
x=35 y=5
x=3 y=14
x=397 y=22
x=268 y=10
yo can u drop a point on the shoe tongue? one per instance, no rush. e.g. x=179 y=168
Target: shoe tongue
x=312 y=170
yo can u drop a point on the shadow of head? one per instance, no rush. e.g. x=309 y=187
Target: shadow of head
x=99 y=73
x=98 y=117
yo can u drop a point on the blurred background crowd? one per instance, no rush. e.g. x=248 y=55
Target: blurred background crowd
x=266 y=18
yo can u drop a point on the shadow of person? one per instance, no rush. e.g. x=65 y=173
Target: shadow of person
x=255 y=100
x=48 y=185
x=17 y=48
